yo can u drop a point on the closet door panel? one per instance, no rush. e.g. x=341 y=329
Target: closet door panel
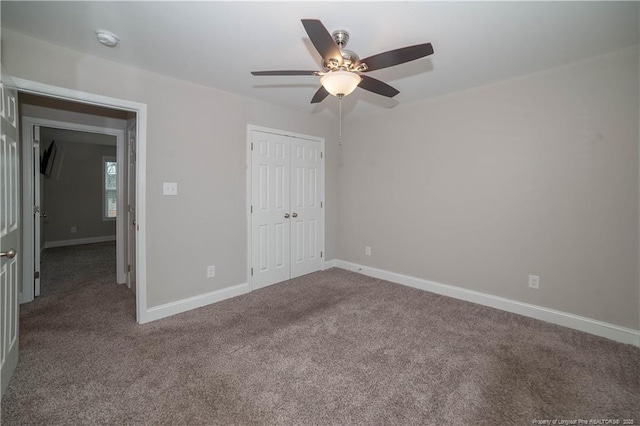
x=306 y=210
x=270 y=193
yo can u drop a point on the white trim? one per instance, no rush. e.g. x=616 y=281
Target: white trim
x=79 y=241
x=565 y=319
x=140 y=109
x=330 y=264
x=177 y=307
x=129 y=234
x=141 y=213
x=250 y=129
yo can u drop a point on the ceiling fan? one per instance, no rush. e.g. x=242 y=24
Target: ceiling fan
x=342 y=70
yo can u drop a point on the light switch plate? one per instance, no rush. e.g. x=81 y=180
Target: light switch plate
x=170 y=188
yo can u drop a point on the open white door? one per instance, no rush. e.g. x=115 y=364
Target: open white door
x=32 y=215
x=10 y=258
x=37 y=209
x=131 y=205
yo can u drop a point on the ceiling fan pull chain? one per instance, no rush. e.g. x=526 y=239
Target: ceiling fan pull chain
x=340 y=121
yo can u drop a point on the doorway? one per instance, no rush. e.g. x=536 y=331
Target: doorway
x=77 y=199
x=83 y=103
x=80 y=204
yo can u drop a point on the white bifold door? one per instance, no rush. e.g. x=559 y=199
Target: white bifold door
x=287 y=218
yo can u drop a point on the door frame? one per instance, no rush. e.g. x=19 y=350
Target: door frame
x=28 y=188
x=250 y=129
x=36 y=88
x=129 y=234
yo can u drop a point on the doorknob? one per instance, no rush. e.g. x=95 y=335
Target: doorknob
x=43 y=215
x=294 y=214
x=9 y=254
x=286 y=215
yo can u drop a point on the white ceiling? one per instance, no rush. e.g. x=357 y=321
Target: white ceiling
x=217 y=44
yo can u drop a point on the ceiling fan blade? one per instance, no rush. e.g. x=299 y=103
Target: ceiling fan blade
x=320 y=95
x=397 y=56
x=377 y=86
x=284 y=72
x=322 y=40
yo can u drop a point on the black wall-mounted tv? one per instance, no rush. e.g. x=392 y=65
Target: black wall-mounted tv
x=48 y=156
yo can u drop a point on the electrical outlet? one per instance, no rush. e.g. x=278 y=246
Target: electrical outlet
x=367 y=251
x=74 y=229
x=534 y=281
x=170 y=188
x=211 y=271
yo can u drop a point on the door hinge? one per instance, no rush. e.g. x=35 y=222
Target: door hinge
x=320 y=254
x=251 y=146
x=252 y=208
x=321 y=154
x=320 y=204
x=128 y=268
x=251 y=271
x=36 y=275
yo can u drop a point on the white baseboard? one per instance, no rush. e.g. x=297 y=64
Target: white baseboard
x=588 y=325
x=173 y=308
x=330 y=264
x=79 y=241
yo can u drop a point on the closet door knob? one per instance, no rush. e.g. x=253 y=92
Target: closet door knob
x=286 y=215
x=294 y=214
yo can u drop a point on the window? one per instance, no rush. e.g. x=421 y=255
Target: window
x=109 y=188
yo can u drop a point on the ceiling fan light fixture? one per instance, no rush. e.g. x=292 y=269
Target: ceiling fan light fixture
x=340 y=83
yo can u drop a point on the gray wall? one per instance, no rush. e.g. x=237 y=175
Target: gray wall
x=73 y=192
x=196 y=136
x=478 y=189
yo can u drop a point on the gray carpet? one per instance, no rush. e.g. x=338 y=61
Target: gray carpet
x=332 y=347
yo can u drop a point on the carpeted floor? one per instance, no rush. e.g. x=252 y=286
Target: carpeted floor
x=332 y=347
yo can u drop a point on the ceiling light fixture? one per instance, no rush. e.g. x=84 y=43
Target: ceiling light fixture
x=340 y=83
x=107 y=38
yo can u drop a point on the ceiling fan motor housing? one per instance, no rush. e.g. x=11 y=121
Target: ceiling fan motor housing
x=349 y=57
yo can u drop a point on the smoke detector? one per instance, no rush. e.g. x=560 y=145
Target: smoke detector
x=107 y=38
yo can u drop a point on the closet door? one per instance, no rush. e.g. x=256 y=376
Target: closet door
x=306 y=212
x=270 y=218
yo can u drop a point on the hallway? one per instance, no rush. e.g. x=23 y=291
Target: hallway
x=71 y=268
